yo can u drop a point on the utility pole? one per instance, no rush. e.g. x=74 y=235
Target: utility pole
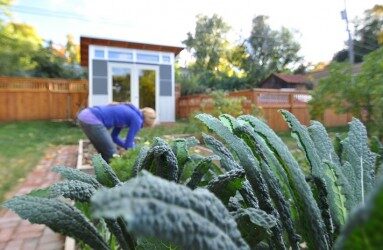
x=350 y=41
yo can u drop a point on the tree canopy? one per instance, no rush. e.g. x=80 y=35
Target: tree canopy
x=209 y=43
x=221 y=64
x=24 y=53
x=360 y=94
x=19 y=42
x=368 y=35
x=269 y=51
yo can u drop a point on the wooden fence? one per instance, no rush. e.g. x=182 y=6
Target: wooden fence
x=41 y=98
x=269 y=101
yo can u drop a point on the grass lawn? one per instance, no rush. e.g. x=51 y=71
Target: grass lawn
x=22 y=144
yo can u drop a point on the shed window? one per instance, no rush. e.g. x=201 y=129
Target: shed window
x=147 y=57
x=166 y=59
x=99 y=54
x=117 y=55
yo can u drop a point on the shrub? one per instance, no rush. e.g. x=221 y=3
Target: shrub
x=220 y=103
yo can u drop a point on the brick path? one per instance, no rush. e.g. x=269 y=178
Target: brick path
x=16 y=233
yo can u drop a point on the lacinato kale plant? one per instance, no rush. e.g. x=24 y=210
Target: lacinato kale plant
x=245 y=191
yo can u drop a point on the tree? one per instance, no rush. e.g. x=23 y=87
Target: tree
x=217 y=61
x=49 y=63
x=269 y=50
x=19 y=41
x=331 y=91
x=368 y=35
x=22 y=52
x=72 y=50
x=4 y=8
x=208 y=44
x=360 y=95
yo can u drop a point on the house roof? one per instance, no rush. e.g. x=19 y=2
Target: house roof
x=293 y=79
x=315 y=76
x=86 y=41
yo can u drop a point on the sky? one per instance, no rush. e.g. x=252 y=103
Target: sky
x=317 y=24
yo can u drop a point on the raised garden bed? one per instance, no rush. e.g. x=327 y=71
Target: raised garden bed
x=84 y=163
x=84 y=157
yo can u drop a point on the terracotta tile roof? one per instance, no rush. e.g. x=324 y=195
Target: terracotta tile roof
x=293 y=79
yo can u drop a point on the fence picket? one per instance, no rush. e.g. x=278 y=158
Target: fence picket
x=270 y=101
x=27 y=98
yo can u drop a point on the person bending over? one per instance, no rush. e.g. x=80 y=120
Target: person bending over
x=97 y=120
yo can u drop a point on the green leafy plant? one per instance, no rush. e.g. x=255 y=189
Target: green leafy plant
x=219 y=103
x=246 y=191
x=123 y=165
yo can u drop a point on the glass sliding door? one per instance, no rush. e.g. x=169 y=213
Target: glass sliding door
x=121 y=83
x=133 y=83
x=147 y=88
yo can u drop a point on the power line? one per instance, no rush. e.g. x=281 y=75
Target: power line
x=59 y=14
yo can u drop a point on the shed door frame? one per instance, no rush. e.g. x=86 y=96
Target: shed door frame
x=134 y=86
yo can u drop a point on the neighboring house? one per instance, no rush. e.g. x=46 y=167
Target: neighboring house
x=129 y=71
x=285 y=81
x=316 y=76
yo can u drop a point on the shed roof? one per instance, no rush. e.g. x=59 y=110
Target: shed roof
x=86 y=41
x=293 y=79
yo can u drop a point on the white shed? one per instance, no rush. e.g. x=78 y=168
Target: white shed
x=142 y=74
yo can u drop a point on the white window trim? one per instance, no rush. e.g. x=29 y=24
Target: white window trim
x=134 y=52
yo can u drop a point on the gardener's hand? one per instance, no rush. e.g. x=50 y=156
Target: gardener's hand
x=120 y=150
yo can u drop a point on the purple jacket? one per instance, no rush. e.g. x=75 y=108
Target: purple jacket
x=119 y=116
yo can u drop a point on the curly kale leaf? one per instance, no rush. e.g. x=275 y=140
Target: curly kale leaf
x=104 y=173
x=154 y=244
x=226 y=158
x=356 y=151
x=251 y=167
x=271 y=170
x=160 y=160
x=323 y=204
x=118 y=228
x=322 y=143
x=180 y=149
x=202 y=168
x=364 y=226
x=228 y=121
x=59 y=216
x=301 y=134
x=76 y=175
x=313 y=228
x=263 y=153
x=155 y=207
x=283 y=206
x=228 y=162
x=340 y=192
x=335 y=181
x=74 y=190
x=254 y=224
x=226 y=185
x=245 y=156
x=335 y=199
x=139 y=160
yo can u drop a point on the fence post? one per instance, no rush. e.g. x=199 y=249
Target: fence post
x=255 y=97
x=291 y=102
